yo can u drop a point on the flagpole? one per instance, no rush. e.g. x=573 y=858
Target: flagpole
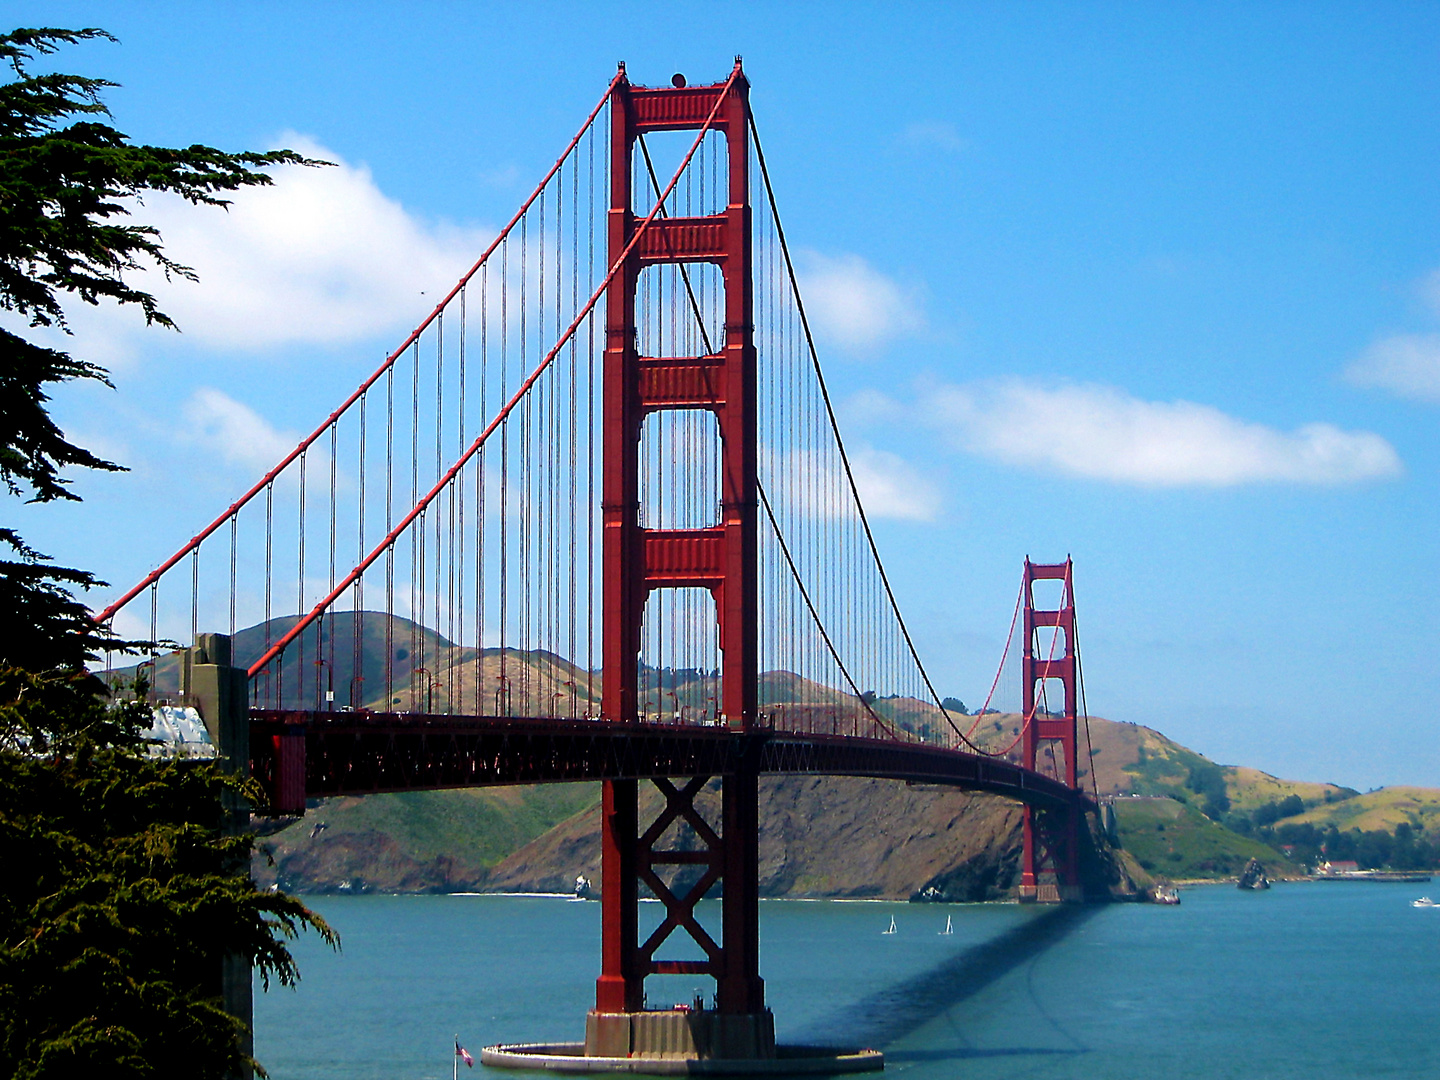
x=455 y=1060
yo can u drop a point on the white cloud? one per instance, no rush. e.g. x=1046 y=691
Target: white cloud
x=940 y=134
x=853 y=305
x=813 y=484
x=239 y=434
x=869 y=408
x=1104 y=434
x=891 y=488
x=321 y=256
x=1405 y=364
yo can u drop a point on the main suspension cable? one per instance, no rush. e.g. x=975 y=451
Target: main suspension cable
x=840 y=444
x=520 y=395
x=764 y=498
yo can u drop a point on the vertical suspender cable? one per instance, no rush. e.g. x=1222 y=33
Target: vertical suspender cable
x=299 y=692
x=389 y=552
x=270 y=680
x=357 y=668
x=502 y=688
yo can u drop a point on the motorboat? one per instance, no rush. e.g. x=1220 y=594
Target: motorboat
x=1424 y=901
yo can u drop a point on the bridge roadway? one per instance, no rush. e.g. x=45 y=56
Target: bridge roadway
x=296 y=754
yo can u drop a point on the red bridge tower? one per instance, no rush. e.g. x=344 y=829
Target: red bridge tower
x=1050 y=871
x=720 y=558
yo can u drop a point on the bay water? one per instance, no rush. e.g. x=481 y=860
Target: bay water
x=1308 y=980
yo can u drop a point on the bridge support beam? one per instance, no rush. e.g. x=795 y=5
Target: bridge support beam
x=621 y=985
x=1050 y=862
x=218 y=692
x=720 y=558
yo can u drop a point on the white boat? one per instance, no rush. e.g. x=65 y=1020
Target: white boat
x=949 y=929
x=892 y=926
x=1424 y=901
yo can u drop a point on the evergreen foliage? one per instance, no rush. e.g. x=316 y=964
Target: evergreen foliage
x=1208 y=780
x=122 y=890
x=1272 y=812
x=1408 y=848
x=121 y=897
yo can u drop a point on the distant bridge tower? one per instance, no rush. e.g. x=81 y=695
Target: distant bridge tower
x=720 y=558
x=1050 y=871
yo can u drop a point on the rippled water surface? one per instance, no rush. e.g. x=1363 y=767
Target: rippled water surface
x=1317 y=981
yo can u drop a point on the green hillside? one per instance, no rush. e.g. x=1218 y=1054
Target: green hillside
x=1173 y=840
x=1385 y=809
x=421 y=841
x=1157 y=765
x=1298 y=823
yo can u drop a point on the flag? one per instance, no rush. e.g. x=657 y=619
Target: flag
x=464 y=1055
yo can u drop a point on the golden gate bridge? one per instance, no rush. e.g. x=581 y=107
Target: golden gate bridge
x=596 y=514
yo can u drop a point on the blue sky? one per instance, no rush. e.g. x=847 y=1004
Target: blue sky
x=1157 y=286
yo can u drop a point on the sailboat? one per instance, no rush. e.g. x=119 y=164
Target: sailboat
x=949 y=930
x=892 y=926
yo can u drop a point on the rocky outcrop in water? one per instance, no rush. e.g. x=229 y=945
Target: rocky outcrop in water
x=1253 y=876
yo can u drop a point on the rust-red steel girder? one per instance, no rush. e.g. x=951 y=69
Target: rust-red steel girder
x=297 y=754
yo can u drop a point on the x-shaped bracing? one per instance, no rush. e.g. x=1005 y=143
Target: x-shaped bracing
x=680 y=911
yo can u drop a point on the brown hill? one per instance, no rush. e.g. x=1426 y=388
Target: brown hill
x=840 y=837
x=831 y=836
x=822 y=837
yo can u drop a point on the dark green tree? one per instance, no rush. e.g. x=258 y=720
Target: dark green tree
x=1208 y=779
x=122 y=891
x=121 y=898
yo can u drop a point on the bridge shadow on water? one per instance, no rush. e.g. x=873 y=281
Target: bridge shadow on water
x=888 y=1015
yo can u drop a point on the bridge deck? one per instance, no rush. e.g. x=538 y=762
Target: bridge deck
x=298 y=753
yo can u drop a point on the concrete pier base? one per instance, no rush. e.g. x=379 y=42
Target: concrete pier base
x=681 y=1042
x=680 y=1033
x=1048 y=892
x=788 y=1061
